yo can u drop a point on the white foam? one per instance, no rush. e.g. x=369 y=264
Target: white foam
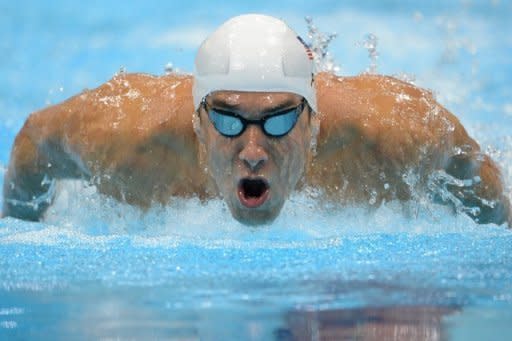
x=82 y=216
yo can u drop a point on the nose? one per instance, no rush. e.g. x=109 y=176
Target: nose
x=253 y=154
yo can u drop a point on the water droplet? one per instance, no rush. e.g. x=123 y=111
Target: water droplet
x=373 y=197
x=169 y=68
x=370 y=44
x=319 y=46
x=122 y=71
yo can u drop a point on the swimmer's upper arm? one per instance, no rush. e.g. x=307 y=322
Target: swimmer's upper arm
x=37 y=159
x=136 y=138
x=117 y=134
x=390 y=126
x=479 y=191
x=394 y=121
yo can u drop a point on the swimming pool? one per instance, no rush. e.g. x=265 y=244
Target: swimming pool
x=99 y=269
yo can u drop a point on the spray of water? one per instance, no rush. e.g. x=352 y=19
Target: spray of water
x=319 y=45
x=170 y=69
x=79 y=209
x=370 y=44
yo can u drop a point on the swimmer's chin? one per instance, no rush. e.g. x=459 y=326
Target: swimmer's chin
x=255 y=217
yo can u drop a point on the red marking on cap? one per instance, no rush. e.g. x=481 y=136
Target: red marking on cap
x=306 y=46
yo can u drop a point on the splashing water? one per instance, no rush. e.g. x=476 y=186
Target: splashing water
x=319 y=44
x=370 y=44
x=122 y=71
x=325 y=62
x=169 y=68
x=79 y=207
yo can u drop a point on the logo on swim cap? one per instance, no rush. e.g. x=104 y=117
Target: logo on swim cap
x=254 y=52
x=306 y=46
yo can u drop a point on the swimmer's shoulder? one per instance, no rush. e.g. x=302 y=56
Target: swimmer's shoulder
x=368 y=95
x=144 y=93
x=385 y=114
x=131 y=100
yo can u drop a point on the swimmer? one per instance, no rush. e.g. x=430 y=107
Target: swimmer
x=253 y=124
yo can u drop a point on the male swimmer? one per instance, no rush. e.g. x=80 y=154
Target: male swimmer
x=252 y=125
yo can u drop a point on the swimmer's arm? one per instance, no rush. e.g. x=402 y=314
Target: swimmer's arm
x=465 y=177
x=388 y=126
x=37 y=160
x=132 y=137
x=479 y=189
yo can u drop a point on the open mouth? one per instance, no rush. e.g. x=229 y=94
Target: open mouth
x=253 y=192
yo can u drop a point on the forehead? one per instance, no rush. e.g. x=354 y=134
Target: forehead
x=253 y=98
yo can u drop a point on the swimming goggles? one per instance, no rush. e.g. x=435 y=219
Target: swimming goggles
x=230 y=124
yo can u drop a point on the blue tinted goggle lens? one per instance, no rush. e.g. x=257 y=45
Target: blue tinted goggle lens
x=277 y=125
x=281 y=124
x=226 y=124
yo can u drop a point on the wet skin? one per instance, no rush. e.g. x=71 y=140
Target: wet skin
x=134 y=139
x=278 y=162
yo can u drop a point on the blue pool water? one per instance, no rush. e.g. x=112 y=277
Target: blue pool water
x=99 y=269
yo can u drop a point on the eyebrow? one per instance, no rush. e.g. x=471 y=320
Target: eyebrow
x=235 y=108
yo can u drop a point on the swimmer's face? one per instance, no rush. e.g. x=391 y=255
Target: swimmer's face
x=255 y=172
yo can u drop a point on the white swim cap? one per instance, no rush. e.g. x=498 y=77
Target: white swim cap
x=254 y=52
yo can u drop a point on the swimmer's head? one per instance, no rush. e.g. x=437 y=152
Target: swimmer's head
x=254 y=52
x=254 y=96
